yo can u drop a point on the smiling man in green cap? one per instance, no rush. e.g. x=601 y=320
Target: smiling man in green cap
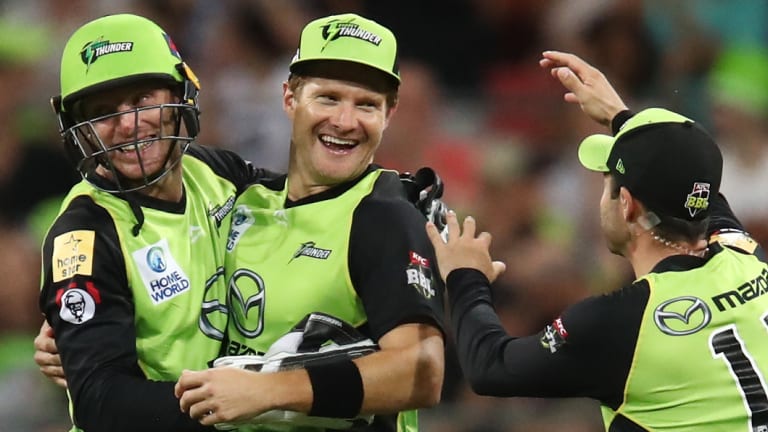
x=337 y=236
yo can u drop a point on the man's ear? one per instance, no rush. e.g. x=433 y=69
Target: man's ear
x=629 y=206
x=390 y=112
x=289 y=99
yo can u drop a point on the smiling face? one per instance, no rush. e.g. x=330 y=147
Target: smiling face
x=125 y=125
x=338 y=122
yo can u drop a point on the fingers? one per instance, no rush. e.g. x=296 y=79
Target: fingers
x=498 y=268
x=46 y=329
x=188 y=380
x=45 y=344
x=434 y=236
x=47 y=360
x=567 y=60
x=452 y=223
x=470 y=225
x=485 y=239
x=195 y=397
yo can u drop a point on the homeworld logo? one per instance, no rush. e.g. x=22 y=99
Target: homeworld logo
x=156 y=259
x=100 y=47
x=308 y=249
x=682 y=316
x=337 y=29
x=163 y=278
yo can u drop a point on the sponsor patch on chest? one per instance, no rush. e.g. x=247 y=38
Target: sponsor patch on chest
x=242 y=219
x=163 y=278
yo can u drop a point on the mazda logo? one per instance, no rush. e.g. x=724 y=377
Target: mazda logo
x=682 y=316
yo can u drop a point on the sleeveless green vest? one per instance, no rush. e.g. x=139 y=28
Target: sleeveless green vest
x=171 y=266
x=284 y=263
x=714 y=319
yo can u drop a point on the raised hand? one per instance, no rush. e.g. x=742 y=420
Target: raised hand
x=586 y=86
x=463 y=249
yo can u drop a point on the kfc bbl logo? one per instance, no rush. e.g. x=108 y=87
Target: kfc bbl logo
x=698 y=199
x=419 y=275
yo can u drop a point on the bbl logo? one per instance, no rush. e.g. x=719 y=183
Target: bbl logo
x=698 y=199
x=419 y=275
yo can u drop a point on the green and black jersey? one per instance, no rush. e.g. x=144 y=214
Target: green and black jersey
x=124 y=301
x=680 y=349
x=358 y=252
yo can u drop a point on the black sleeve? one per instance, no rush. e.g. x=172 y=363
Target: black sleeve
x=586 y=352
x=92 y=314
x=618 y=121
x=231 y=166
x=393 y=267
x=725 y=228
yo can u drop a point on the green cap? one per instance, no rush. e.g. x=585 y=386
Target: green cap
x=594 y=150
x=665 y=159
x=348 y=37
x=114 y=50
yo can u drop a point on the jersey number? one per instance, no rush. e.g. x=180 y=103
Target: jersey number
x=727 y=344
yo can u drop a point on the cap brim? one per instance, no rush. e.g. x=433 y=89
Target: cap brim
x=594 y=151
x=297 y=65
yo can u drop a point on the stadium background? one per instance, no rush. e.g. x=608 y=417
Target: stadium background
x=474 y=105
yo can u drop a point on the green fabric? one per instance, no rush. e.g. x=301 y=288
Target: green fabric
x=276 y=276
x=261 y=271
x=171 y=334
x=191 y=247
x=699 y=393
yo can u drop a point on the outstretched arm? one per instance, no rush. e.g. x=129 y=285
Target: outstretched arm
x=586 y=86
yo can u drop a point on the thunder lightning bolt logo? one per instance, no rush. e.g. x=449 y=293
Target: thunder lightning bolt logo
x=331 y=31
x=88 y=53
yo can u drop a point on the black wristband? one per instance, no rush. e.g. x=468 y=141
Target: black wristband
x=619 y=120
x=337 y=389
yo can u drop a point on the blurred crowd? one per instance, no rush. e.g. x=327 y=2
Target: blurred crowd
x=474 y=105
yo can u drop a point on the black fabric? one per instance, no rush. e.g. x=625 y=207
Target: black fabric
x=387 y=230
x=619 y=120
x=593 y=361
x=623 y=424
x=666 y=165
x=337 y=389
x=117 y=385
